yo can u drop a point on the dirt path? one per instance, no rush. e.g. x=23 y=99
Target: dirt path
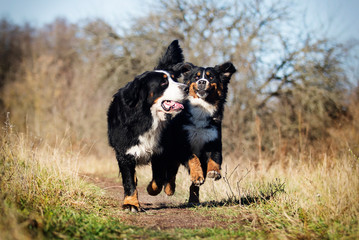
x=161 y=212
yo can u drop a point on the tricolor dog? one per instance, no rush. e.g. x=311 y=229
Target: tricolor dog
x=194 y=137
x=138 y=114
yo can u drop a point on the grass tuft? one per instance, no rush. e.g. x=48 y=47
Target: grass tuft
x=42 y=196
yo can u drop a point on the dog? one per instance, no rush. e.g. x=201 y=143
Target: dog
x=194 y=137
x=138 y=114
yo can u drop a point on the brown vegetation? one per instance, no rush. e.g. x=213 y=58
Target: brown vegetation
x=291 y=95
x=290 y=126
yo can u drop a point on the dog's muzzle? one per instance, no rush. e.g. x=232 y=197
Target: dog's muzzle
x=202 y=84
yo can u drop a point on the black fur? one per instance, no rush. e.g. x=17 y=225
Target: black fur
x=203 y=112
x=129 y=116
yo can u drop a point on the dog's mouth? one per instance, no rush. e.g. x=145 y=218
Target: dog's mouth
x=169 y=105
x=202 y=93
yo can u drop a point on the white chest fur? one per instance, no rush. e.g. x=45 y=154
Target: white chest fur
x=200 y=131
x=149 y=141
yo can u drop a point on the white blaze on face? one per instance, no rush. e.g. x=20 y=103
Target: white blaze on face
x=148 y=142
x=174 y=92
x=201 y=93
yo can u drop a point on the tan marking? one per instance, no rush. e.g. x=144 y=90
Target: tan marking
x=165 y=76
x=171 y=187
x=155 y=101
x=219 y=89
x=213 y=166
x=153 y=189
x=135 y=179
x=207 y=73
x=132 y=200
x=215 y=93
x=192 y=91
x=199 y=74
x=214 y=85
x=195 y=170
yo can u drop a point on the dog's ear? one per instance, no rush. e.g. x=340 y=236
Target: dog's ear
x=134 y=91
x=172 y=56
x=182 y=68
x=226 y=70
x=186 y=68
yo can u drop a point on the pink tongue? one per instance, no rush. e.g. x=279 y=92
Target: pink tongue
x=173 y=105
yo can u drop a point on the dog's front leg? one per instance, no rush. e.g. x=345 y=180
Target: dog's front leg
x=195 y=170
x=127 y=166
x=214 y=165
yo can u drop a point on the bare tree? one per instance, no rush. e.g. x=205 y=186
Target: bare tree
x=289 y=90
x=289 y=80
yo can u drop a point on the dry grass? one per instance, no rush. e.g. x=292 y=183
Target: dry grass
x=59 y=82
x=308 y=198
x=35 y=180
x=319 y=200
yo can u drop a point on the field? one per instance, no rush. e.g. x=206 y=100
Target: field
x=52 y=192
x=290 y=128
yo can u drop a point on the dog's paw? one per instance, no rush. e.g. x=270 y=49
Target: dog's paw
x=170 y=188
x=133 y=209
x=197 y=179
x=153 y=189
x=131 y=203
x=214 y=174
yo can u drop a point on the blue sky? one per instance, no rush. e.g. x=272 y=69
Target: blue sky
x=339 y=18
x=39 y=12
x=341 y=15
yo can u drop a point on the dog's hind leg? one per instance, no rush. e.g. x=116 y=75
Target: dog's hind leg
x=127 y=168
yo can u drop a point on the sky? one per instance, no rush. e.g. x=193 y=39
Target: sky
x=341 y=15
x=40 y=12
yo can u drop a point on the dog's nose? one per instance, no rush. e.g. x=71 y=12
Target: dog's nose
x=201 y=84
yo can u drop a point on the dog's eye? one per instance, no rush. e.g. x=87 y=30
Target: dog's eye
x=211 y=78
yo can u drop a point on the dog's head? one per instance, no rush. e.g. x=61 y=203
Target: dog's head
x=159 y=90
x=210 y=83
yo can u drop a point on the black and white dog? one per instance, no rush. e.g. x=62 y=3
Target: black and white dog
x=138 y=114
x=194 y=137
